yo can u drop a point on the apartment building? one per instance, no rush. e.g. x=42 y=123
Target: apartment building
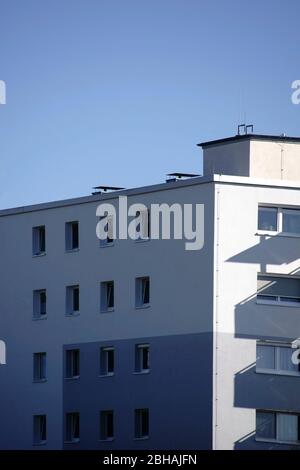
x=142 y=344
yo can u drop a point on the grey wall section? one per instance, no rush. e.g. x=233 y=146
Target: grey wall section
x=181 y=299
x=177 y=391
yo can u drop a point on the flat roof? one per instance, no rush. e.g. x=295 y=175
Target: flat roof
x=99 y=197
x=262 y=137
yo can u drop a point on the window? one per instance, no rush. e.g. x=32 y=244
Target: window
x=278 y=289
x=39 y=303
x=141 y=423
x=278 y=219
x=267 y=218
x=39 y=366
x=106 y=425
x=107 y=361
x=291 y=220
x=109 y=229
x=72 y=427
x=38 y=240
x=39 y=429
x=143 y=227
x=276 y=426
x=142 y=363
x=276 y=359
x=72 y=363
x=72 y=236
x=107 y=296
x=72 y=300
x=142 y=291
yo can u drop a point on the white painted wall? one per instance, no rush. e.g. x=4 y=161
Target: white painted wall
x=240 y=253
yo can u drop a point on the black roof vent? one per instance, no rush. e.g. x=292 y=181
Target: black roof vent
x=105 y=189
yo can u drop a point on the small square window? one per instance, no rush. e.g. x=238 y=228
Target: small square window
x=39 y=429
x=142 y=358
x=141 y=423
x=39 y=303
x=107 y=361
x=72 y=300
x=72 y=235
x=106 y=425
x=72 y=427
x=72 y=363
x=39 y=240
x=107 y=296
x=142 y=294
x=39 y=366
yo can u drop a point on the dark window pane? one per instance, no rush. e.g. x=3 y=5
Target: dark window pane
x=110 y=295
x=110 y=361
x=291 y=221
x=76 y=299
x=267 y=219
x=110 y=425
x=146 y=291
x=75 y=235
x=145 y=358
x=42 y=239
x=265 y=425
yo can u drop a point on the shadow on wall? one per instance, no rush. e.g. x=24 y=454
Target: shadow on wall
x=266 y=322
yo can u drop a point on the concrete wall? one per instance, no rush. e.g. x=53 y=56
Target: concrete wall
x=240 y=253
x=177 y=391
x=277 y=160
x=227 y=159
x=254 y=158
x=181 y=302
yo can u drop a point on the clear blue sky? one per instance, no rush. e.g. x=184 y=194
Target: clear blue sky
x=119 y=92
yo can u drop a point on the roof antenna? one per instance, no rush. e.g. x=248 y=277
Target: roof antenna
x=245 y=129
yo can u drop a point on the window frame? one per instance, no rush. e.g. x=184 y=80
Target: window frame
x=138 y=423
x=37 y=242
x=104 y=361
x=104 y=293
x=139 y=358
x=103 y=418
x=39 y=421
x=277 y=370
x=277 y=414
x=280 y=220
x=69 y=236
x=110 y=229
x=146 y=226
x=38 y=314
x=70 y=300
x=70 y=367
x=140 y=292
x=70 y=427
x=39 y=366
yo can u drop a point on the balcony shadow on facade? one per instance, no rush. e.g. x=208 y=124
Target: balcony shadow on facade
x=260 y=391
x=255 y=321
